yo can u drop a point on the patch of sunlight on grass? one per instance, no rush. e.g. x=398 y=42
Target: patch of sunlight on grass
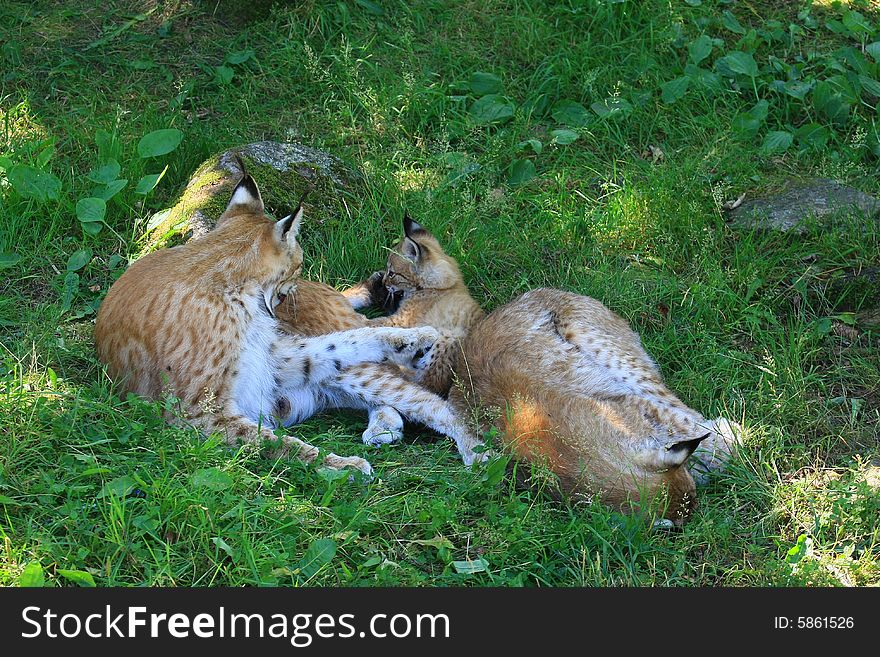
x=19 y=126
x=411 y=180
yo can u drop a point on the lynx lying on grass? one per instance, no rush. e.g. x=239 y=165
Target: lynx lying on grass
x=390 y=393
x=571 y=383
x=198 y=321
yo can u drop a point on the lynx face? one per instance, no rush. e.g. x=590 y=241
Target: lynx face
x=418 y=262
x=282 y=256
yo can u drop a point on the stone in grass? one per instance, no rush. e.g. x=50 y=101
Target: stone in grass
x=822 y=200
x=283 y=172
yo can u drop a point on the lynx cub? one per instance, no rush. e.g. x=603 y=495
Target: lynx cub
x=198 y=321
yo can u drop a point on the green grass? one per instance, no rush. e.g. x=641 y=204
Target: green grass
x=772 y=330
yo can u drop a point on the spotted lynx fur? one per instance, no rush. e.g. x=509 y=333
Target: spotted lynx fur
x=198 y=322
x=573 y=386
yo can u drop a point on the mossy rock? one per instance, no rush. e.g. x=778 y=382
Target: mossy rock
x=787 y=209
x=284 y=172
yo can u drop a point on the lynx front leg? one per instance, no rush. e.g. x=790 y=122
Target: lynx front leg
x=238 y=430
x=374 y=385
x=307 y=362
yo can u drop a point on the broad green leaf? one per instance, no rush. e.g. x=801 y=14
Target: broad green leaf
x=700 y=48
x=79 y=259
x=159 y=142
x=78 y=577
x=830 y=103
x=870 y=85
x=34 y=183
x=92 y=228
x=611 y=107
x=68 y=292
x=223 y=545
x=729 y=21
x=223 y=75
x=92 y=209
x=44 y=156
x=777 y=141
x=856 y=23
x=813 y=135
x=110 y=189
x=747 y=124
x=319 y=554
x=470 y=567
x=32 y=576
x=521 y=172
x=570 y=113
x=148 y=183
x=674 y=89
x=485 y=83
x=121 y=486
x=702 y=76
x=9 y=260
x=240 y=57
x=798 y=88
x=212 y=478
x=370 y=7
x=106 y=174
x=564 y=137
x=534 y=144
x=492 y=108
x=740 y=62
x=873 y=49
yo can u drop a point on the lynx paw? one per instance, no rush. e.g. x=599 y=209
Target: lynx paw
x=386 y=426
x=339 y=462
x=469 y=457
x=409 y=346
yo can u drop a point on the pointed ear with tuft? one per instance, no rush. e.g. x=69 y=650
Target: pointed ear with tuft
x=287 y=229
x=410 y=227
x=673 y=453
x=246 y=197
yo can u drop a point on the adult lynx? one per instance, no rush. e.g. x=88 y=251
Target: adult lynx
x=198 y=321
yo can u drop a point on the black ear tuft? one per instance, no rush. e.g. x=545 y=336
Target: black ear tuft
x=685 y=448
x=410 y=227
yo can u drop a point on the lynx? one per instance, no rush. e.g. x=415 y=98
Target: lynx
x=570 y=381
x=198 y=322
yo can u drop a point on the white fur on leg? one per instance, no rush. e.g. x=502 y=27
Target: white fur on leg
x=715 y=451
x=386 y=426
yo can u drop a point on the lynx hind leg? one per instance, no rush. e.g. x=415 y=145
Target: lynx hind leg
x=375 y=385
x=240 y=430
x=715 y=452
x=385 y=426
x=306 y=362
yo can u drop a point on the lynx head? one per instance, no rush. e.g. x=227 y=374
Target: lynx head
x=663 y=470
x=258 y=248
x=418 y=262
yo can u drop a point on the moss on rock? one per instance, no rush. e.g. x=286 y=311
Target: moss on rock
x=284 y=172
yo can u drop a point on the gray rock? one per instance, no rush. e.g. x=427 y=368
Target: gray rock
x=283 y=171
x=787 y=210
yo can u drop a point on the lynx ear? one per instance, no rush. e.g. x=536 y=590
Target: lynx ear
x=410 y=227
x=659 y=456
x=246 y=197
x=287 y=229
